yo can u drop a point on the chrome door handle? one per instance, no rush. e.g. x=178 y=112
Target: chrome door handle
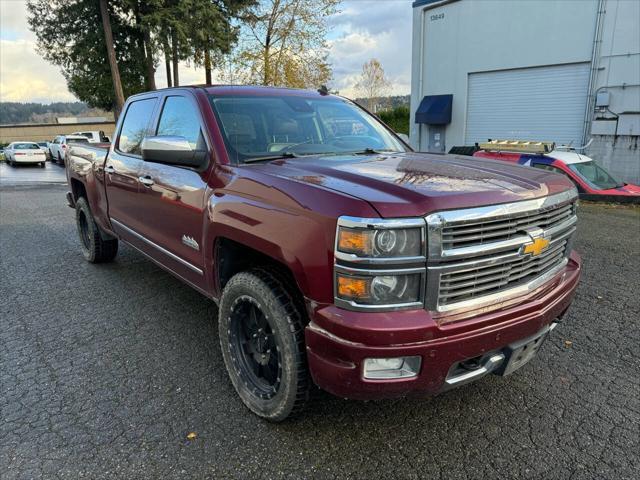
x=109 y=169
x=146 y=181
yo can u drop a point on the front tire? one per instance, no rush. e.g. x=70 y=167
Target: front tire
x=94 y=248
x=262 y=340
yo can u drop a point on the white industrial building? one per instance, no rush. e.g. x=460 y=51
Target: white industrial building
x=566 y=71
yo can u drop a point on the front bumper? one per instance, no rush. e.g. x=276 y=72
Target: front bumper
x=338 y=341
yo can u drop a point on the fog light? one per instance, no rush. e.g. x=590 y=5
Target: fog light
x=389 y=368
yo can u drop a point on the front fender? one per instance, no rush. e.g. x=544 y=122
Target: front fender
x=301 y=240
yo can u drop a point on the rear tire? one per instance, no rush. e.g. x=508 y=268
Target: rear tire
x=41 y=164
x=261 y=334
x=94 y=248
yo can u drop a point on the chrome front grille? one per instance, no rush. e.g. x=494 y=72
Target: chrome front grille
x=494 y=230
x=467 y=284
x=478 y=256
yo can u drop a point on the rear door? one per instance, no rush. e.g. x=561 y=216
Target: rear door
x=122 y=168
x=172 y=197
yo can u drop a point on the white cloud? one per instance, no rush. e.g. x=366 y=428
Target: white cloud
x=26 y=77
x=368 y=29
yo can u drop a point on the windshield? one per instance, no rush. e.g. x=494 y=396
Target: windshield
x=268 y=127
x=26 y=146
x=597 y=176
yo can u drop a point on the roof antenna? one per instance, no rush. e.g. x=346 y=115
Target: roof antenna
x=323 y=90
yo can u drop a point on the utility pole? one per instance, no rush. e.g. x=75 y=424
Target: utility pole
x=113 y=63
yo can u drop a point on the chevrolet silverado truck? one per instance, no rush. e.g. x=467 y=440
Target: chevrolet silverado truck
x=337 y=255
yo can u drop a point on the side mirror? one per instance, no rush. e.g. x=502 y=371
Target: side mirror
x=171 y=150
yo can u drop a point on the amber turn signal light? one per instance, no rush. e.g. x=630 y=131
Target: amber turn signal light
x=353 y=287
x=354 y=241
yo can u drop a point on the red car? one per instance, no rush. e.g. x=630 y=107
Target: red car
x=592 y=181
x=336 y=254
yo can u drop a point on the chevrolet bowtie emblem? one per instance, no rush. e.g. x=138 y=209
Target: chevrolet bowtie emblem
x=538 y=246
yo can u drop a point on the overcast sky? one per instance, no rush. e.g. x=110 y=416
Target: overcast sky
x=364 y=29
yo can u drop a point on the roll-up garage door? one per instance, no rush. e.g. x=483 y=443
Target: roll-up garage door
x=541 y=103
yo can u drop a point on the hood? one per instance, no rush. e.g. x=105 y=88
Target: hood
x=414 y=184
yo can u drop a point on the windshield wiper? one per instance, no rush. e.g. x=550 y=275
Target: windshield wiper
x=280 y=156
x=369 y=151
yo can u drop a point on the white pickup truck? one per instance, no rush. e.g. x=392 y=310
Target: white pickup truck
x=94 y=136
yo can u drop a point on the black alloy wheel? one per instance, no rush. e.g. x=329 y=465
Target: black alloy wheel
x=83 y=229
x=261 y=328
x=254 y=348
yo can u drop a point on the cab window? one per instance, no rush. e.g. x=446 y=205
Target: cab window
x=134 y=126
x=180 y=118
x=551 y=168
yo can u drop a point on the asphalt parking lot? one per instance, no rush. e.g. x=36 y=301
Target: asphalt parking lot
x=105 y=369
x=31 y=174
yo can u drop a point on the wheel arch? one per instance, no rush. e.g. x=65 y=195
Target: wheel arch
x=231 y=257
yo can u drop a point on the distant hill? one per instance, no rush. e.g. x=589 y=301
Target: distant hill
x=14 y=112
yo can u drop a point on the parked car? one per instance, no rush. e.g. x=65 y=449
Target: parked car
x=592 y=181
x=94 y=136
x=44 y=146
x=24 y=152
x=341 y=258
x=58 y=148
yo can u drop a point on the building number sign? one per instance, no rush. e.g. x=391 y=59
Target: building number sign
x=437 y=16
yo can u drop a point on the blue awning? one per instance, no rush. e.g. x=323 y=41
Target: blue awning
x=435 y=110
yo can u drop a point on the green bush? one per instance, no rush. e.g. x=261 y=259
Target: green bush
x=397 y=118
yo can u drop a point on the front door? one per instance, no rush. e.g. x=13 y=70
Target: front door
x=122 y=169
x=172 y=198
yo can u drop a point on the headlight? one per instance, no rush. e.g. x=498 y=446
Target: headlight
x=392 y=239
x=379 y=289
x=380 y=263
x=406 y=242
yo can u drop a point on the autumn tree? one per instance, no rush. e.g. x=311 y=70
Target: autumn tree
x=283 y=43
x=372 y=83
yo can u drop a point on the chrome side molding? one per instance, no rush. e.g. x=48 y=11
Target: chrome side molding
x=163 y=250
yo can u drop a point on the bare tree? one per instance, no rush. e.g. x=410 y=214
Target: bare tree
x=283 y=43
x=372 y=83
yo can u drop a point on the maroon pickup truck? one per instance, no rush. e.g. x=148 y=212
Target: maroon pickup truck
x=336 y=254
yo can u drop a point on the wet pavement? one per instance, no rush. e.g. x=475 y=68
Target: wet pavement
x=105 y=370
x=31 y=174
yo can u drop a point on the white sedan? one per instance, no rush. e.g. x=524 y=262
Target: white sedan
x=24 y=152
